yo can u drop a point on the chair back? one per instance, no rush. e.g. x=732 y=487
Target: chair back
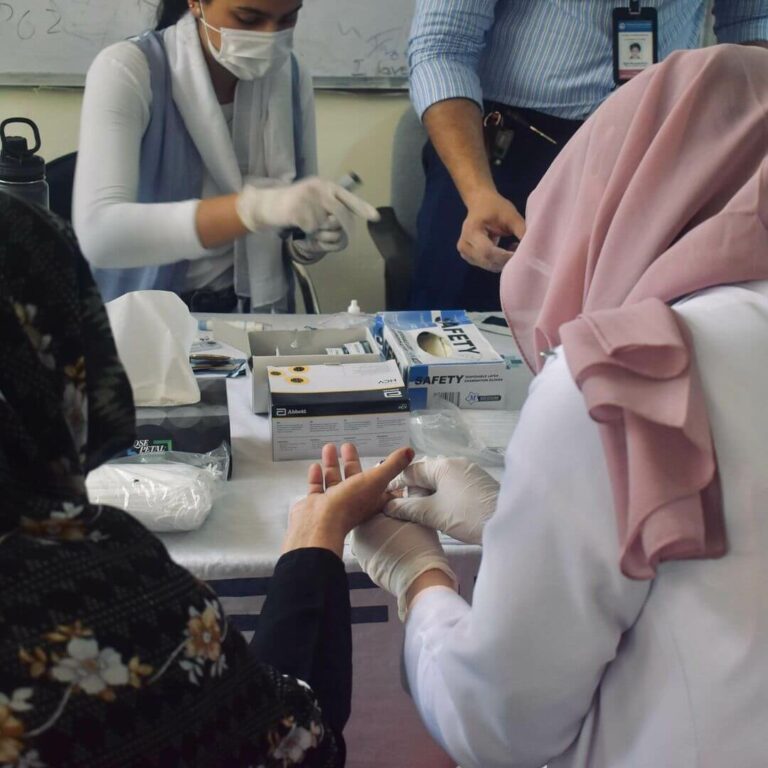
x=407 y=186
x=60 y=174
x=306 y=288
x=395 y=234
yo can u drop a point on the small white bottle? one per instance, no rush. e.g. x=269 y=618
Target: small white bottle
x=354 y=308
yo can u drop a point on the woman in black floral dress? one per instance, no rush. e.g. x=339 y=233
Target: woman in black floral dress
x=110 y=653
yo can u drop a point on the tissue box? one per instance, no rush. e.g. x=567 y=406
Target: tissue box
x=197 y=428
x=443 y=355
x=308 y=347
x=365 y=404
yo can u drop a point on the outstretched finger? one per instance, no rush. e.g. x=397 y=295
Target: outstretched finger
x=355 y=204
x=482 y=252
x=331 y=469
x=351 y=460
x=382 y=474
x=315 y=479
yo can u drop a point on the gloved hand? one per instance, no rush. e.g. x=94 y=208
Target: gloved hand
x=394 y=554
x=329 y=238
x=305 y=204
x=462 y=497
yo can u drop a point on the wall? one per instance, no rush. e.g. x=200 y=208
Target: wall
x=354 y=133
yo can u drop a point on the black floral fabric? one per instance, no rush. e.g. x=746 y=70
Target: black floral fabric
x=110 y=653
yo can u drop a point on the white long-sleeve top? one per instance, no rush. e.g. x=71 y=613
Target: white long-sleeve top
x=116 y=231
x=561 y=659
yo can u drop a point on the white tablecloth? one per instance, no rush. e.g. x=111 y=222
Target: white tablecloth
x=236 y=551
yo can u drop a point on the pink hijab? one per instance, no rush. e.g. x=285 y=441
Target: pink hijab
x=663 y=192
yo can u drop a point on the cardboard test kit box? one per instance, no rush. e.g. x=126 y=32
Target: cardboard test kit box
x=443 y=355
x=308 y=347
x=365 y=404
x=197 y=428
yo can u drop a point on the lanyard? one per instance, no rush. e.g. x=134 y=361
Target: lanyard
x=634 y=7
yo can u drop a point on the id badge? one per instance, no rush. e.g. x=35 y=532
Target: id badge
x=635 y=41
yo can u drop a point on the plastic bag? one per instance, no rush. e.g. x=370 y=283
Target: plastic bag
x=343 y=320
x=168 y=491
x=446 y=430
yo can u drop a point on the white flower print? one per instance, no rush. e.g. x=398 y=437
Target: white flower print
x=46 y=358
x=19 y=701
x=202 y=644
x=41 y=342
x=194 y=668
x=30 y=760
x=219 y=667
x=68 y=511
x=75 y=407
x=305 y=686
x=294 y=744
x=90 y=669
x=204 y=633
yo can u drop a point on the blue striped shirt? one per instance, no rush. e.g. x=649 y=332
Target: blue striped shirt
x=552 y=55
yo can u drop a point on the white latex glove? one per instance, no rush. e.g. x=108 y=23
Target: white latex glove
x=394 y=554
x=329 y=238
x=305 y=204
x=461 y=497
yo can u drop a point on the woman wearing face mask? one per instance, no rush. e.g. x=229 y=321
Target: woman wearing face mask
x=197 y=154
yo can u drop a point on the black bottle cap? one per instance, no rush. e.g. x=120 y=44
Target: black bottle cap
x=19 y=163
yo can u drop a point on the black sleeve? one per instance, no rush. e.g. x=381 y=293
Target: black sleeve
x=305 y=629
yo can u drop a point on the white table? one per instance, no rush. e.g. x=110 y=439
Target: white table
x=236 y=551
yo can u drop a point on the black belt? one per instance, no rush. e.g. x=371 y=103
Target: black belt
x=558 y=128
x=530 y=130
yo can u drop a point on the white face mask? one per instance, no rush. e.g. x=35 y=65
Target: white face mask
x=250 y=55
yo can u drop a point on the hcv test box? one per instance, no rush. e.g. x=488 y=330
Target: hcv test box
x=361 y=403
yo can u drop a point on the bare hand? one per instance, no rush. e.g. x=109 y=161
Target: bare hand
x=489 y=218
x=333 y=507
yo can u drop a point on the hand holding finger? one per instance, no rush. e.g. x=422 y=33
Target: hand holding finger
x=460 y=497
x=416 y=510
x=385 y=472
x=422 y=473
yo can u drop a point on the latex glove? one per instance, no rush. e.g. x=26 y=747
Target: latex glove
x=329 y=238
x=394 y=554
x=461 y=497
x=305 y=204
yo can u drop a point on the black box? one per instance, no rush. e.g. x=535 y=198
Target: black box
x=197 y=428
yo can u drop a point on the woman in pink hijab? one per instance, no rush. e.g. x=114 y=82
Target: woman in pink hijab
x=620 y=616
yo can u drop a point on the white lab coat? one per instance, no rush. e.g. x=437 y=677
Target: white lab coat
x=561 y=659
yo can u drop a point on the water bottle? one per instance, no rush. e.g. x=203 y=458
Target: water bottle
x=22 y=172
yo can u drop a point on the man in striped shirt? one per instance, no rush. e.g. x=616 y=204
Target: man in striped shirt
x=529 y=64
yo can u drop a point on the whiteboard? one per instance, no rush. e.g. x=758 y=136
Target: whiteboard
x=345 y=43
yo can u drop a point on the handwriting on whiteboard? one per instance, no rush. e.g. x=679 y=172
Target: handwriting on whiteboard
x=360 y=43
x=88 y=20
x=58 y=39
